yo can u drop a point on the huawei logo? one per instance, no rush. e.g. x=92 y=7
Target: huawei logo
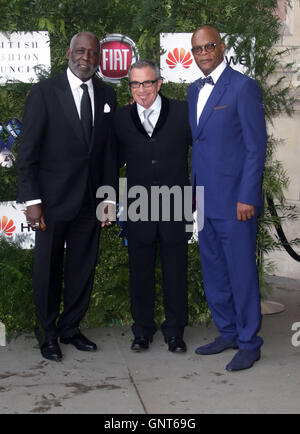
x=179 y=56
x=7 y=227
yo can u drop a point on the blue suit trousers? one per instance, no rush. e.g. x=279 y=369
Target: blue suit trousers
x=228 y=257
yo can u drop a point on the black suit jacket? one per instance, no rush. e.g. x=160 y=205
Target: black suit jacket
x=160 y=160
x=55 y=163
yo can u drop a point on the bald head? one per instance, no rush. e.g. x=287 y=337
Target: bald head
x=208 y=48
x=210 y=29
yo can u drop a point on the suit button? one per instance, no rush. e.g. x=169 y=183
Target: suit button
x=197 y=141
x=154 y=161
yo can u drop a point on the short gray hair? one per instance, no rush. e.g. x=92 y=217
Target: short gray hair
x=90 y=34
x=144 y=64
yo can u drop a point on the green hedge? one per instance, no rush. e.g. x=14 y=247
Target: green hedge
x=110 y=301
x=16 y=301
x=143 y=21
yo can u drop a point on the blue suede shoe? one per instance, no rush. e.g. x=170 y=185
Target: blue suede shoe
x=220 y=344
x=244 y=359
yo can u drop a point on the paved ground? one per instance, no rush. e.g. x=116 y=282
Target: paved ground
x=116 y=381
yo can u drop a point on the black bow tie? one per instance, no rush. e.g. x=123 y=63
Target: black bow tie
x=201 y=82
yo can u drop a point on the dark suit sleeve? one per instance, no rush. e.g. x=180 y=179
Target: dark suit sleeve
x=119 y=148
x=189 y=137
x=110 y=176
x=33 y=127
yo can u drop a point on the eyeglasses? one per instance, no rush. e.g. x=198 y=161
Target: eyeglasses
x=146 y=84
x=209 y=48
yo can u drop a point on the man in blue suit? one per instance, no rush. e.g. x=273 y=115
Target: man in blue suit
x=229 y=145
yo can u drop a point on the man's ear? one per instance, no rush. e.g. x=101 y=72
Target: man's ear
x=159 y=83
x=68 y=53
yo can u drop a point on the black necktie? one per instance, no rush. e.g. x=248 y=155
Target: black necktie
x=86 y=113
x=201 y=82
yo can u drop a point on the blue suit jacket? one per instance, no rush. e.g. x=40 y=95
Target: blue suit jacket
x=229 y=144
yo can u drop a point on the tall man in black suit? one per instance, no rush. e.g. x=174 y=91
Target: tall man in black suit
x=153 y=136
x=65 y=155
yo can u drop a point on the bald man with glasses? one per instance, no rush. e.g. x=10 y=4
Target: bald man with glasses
x=229 y=145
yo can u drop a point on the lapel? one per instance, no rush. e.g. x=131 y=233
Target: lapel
x=213 y=99
x=99 y=109
x=66 y=99
x=67 y=102
x=165 y=107
x=136 y=120
x=193 y=101
x=160 y=122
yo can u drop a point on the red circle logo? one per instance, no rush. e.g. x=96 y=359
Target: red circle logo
x=116 y=59
x=118 y=52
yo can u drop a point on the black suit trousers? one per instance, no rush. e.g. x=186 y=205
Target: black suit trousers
x=142 y=260
x=65 y=252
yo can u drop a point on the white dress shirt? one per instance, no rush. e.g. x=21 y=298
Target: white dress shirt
x=208 y=88
x=156 y=107
x=77 y=92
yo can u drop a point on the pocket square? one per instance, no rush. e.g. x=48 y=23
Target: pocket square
x=106 y=108
x=218 y=107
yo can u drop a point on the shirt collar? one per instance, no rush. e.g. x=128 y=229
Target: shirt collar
x=215 y=75
x=156 y=106
x=75 y=82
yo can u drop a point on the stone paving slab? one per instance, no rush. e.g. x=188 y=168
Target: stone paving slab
x=116 y=380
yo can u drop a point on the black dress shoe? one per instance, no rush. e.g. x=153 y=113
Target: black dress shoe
x=80 y=342
x=140 y=343
x=50 y=350
x=176 y=344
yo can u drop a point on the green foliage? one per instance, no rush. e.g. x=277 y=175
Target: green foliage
x=16 y=300
x=198 y=309
x=275 y=181
x=110 y=300
x=8 y=182
x=142 y=21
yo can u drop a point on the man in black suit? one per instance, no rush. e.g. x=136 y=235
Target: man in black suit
x=153 y=136
x=65 y=154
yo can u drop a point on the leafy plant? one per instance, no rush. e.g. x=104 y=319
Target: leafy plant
x=142 y=21
x=16 y=299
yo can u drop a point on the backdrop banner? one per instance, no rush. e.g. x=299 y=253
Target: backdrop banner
x=13 y=225
x=177 y=63
x=23 y=55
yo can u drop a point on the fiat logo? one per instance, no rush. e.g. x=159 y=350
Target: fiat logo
x=118 y=53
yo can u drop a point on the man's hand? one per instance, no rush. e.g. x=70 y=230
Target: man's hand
x=108 y=214
x=130 y=102
x=34 y=215
x=244 y=211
